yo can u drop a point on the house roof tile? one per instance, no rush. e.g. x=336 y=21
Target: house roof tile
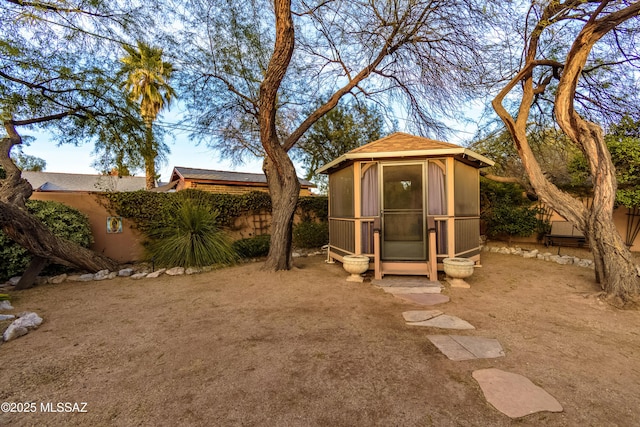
x=228 y=176
x=55 y=181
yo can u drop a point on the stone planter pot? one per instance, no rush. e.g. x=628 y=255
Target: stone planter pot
x=458 y=269
x=355 y=265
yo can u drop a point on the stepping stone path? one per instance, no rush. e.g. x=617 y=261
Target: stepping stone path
x=514 y=395
x=417 y=290
x=457 y=347
x=435 y=319
x=424 y=299
x=420 y=315
x=444 y=321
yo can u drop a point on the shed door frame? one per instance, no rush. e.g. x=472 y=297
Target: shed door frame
x=404 y=233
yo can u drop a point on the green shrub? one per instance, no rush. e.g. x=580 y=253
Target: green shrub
x=310 y=234
x=253 y=247
x=505 y=211
x=188 y=236
x=147 y=208
x=62 y=220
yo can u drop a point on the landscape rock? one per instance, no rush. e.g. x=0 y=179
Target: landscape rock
x=112 y=275
x=138 y=276
x=22 y=325
x=193 y=270
x=5 y=305
x=58 y=279
x=494 y=249
x=175 y=271
x=14 y=280
x=564 y=260
x=156 y=273
x=125 y=272
x=295 y=255
x=6 y=317
x=101 y=275
x=85 y=277
x=584 y=263
x=13 y=332
x=530 y=254
x=505 y=251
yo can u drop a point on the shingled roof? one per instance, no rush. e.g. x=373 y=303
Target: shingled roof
x=55 y=181
x=225 y=176
x=402 y=144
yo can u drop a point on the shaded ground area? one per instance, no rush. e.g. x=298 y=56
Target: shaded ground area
x=241 y=347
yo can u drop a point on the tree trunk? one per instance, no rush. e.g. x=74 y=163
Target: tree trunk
x=149 y=159
x=282 y=179
x=614 y=266
x=27 y=231
x=284 y=189
x=28 y=278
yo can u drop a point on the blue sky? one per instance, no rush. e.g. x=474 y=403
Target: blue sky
x=72 y=159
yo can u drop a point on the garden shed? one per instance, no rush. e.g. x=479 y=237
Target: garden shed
x=407 y=202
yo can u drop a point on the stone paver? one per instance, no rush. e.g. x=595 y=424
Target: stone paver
x=445 y=321
x=424 y=299
x=482 y=348
x=412 y=289
x=451 y=348
x=405 y=281
x=420 y=315
x=458 y=347
x=514 y=395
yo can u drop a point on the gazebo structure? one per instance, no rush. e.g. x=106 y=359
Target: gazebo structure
x=407 y=202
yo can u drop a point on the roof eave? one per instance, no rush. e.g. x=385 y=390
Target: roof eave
x=413 y=153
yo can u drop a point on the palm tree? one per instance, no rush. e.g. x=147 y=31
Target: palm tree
x=148 y=84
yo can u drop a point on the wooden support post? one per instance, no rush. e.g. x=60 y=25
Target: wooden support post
x=433 y=254
x=377 y=267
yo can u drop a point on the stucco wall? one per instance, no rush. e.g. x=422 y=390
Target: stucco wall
x=229 y=189
x=619 y=219
x=127 y=246
x=123 y=247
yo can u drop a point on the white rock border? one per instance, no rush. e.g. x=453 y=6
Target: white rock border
x=547 y=256
x=131 y=272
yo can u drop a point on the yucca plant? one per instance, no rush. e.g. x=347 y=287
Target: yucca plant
x=190 y=237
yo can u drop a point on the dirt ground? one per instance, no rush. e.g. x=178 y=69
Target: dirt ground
x=304 y=348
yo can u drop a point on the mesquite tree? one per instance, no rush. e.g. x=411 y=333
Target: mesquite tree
x=571 y=73
x=256 y=67
x=55 y=73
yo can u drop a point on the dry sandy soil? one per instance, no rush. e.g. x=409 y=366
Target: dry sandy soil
x=304 y=348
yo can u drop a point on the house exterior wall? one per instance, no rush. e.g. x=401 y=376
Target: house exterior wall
x=619 y=219
x=122 y=247
x=127 y=246
x=228 y=189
